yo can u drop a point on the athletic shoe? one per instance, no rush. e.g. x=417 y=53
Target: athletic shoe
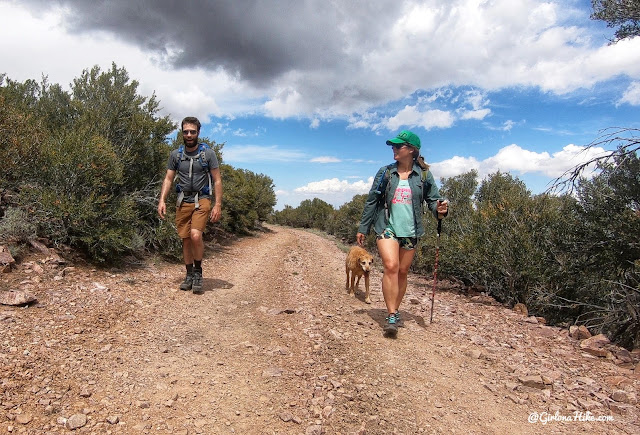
x=399 y=321
x=197 y=283
x=390 y=328
x=187 y=283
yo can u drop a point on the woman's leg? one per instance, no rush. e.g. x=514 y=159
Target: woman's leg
x=405 y=258
x=389 y=250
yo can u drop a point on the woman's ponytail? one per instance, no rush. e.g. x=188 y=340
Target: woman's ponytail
x=420 y=161
x=417 y=157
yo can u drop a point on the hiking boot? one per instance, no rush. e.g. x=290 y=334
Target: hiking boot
x=399 y=320
x=197 y=283
x=187 y=283
x=390 y=328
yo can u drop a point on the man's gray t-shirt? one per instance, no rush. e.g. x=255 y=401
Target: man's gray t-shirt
x=192 y=177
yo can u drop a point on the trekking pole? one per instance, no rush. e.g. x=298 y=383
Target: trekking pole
x=435 y=270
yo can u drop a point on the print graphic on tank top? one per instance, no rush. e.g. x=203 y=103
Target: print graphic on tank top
x=402 y=194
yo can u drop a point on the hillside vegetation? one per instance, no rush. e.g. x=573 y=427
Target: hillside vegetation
x=81 y=170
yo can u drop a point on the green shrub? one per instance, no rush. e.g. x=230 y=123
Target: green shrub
x=346 y=220
x=17 y=227
x=79 y=200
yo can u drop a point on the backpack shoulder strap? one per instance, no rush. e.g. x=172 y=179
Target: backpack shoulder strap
x=203 y=160
x=384 y=180
x=180 y=156
x=387 y=177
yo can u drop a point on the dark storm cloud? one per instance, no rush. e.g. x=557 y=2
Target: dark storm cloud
x=257 y=40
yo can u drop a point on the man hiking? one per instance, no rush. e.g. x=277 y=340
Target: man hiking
x=197 y=169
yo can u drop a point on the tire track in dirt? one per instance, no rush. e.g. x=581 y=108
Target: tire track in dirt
x=229 y=356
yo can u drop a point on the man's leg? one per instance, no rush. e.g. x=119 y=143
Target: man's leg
x=197 y=245
x=198 y=223
x=183 y=225
x=187 y=254
x=197 y=252
x=187 y=251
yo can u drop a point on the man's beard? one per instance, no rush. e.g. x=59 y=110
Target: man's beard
x=195 y=142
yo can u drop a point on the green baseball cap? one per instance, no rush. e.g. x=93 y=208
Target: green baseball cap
x=405 y=136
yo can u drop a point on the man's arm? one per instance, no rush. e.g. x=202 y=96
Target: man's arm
x=216 y=210
x=166 y=185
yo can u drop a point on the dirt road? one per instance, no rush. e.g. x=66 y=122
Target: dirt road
x=275 y=345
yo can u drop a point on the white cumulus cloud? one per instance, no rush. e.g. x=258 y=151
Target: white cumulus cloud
x=333 y=185
x=632 y=94
x=517 y=160
x=410 y=116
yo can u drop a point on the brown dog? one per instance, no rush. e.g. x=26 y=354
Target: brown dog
x=358 y=263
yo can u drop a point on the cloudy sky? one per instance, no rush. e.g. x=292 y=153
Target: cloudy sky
x=307 y=92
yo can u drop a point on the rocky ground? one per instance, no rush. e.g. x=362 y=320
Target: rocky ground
x=276 y=345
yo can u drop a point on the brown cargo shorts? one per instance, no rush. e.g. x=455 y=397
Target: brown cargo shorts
x=188 y=218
